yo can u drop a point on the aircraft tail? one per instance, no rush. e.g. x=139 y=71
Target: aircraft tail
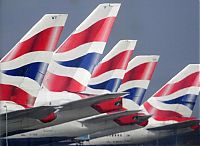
x=23 y=68
x=176 y=99
x=133 y=84
x=75 y=59
x=137 y=78
x=108 y=74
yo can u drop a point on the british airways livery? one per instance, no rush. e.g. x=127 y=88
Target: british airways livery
x=110 y=71
x=70 y=130
x=54 y=103
x=171 y=108
x=23 y=69
x=27 y=62
x=135 y=86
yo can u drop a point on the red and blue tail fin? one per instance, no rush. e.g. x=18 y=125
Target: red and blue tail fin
x=176 y=99
x=110 y=71
x=23 y=68
x=137 y=78
x=75 y=59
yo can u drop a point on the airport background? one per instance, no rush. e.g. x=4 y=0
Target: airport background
x=169 y=28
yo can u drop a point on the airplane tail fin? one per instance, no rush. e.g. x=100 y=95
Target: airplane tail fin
x=176 y=99
x=23 y=68
x=76 y=58
x=108 y=74
x=137 y=78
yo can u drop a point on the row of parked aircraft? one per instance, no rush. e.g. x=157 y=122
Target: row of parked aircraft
x=68 y=95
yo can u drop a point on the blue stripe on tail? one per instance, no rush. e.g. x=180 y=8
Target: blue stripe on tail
x=34 y=71
x=136 y=95
x=187 y=100
x=111 y=85
x=87 y=62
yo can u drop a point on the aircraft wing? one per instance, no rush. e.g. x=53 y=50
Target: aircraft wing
x=119 y=120
x=108 y=117
x=35 y=113
x=91 y=101
x=18 y=120
x=180 y=125
x=42 y=111
x=33 y=118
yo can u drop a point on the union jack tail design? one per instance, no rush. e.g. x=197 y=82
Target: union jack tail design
x=23 y=68
x=176 y=99
x=75 y=59
x=110 y=71
x=137 y=78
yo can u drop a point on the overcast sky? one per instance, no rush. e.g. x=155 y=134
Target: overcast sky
x=168 y=28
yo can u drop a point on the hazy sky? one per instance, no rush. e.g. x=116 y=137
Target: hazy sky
x=169 y=28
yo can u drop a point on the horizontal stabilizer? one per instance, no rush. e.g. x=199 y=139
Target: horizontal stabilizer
x=107 y=117
x=91 y=101
x=177 y=125
x=34 y=113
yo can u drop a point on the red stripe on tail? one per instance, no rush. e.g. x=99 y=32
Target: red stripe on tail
x=99 y=31
x=17 y=95
x=191 y=80
x=140 y=72
x=119 y=61
x=57 y=83
x=161 y=115
x=38 y=42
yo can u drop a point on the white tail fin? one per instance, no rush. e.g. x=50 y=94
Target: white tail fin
x=23 y=68
x=137 y=78
x=177 y=97
x=110 y=71
x=75 y=59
